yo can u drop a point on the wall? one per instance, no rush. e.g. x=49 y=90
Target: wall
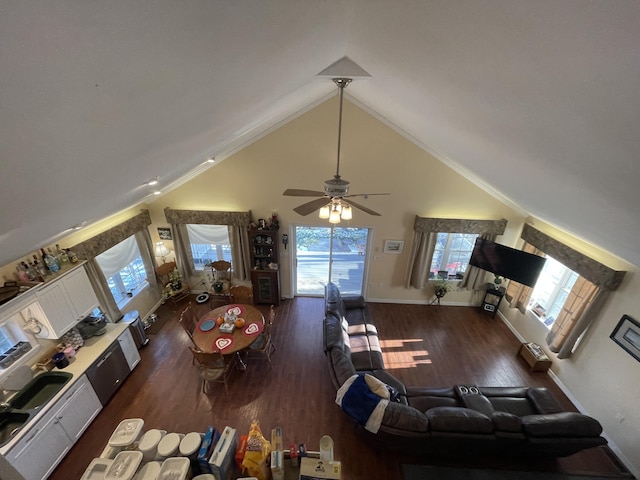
x=600 y=376
x=374 y=158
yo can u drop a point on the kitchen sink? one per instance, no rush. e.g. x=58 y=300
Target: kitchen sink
x=10 y=423
x=39 y=390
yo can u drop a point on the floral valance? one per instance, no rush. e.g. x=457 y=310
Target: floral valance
x=102 y=242
x=592 y=270
x=185 y=217
x=457 y=225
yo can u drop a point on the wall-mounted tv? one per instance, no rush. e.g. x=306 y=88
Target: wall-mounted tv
x=507 y=262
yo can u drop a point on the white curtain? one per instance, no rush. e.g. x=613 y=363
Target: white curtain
x=105 y=297
x=118 y=257
x=424 y=244
x=208 y=234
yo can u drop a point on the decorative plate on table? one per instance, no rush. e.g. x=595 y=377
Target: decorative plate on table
x=222 y=342
x=207 y=325
x=235 y=310
x=253 y=328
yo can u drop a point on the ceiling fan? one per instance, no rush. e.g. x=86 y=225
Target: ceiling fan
x=332 y=203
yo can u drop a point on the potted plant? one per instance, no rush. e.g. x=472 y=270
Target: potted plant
x=175 y=280
x=497 y=280
x=441 y=287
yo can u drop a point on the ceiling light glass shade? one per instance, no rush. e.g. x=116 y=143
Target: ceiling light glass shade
x=347 y=213
x=161 y=250
x=324 y=212
x=338 y=206
x=335 y=216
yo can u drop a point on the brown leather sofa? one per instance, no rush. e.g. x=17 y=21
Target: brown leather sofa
x=510 y=420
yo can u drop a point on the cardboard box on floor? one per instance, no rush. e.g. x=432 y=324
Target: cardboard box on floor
x=318 y=469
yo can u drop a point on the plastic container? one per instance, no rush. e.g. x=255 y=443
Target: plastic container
x=149 y=471
x=60 y=360
x=124 y=466
x=97 y=469
x=126 y=433
x=175 y=468
x=168 y=446
x=148 y=444
x=190 y=445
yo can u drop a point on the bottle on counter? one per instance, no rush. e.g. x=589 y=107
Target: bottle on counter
x=49 y=261
x=73 y=258
x=21 y=273
x=62 y=255
x=41 y=270
x=31 y=273
x=55 y=257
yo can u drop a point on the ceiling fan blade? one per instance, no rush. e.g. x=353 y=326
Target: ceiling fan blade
x=363 y=208
x=364 y=194
x=312 y=206
x=294 y=192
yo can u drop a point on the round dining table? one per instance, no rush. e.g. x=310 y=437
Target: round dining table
x=208 y=337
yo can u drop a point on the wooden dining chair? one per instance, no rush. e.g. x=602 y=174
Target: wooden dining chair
x=263 y=347
x=214 y=367
x=241 y=294
x=189 y=320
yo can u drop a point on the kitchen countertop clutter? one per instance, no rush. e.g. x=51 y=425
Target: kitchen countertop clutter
x=55 y=426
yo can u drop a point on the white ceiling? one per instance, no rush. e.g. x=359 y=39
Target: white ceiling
x=538 y=99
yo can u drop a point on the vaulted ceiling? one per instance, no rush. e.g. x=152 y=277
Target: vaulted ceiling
x=538 y=101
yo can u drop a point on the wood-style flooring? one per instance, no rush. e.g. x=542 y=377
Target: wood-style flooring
x=422 y=345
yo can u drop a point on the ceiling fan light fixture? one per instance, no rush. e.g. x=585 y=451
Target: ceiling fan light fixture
x=325 y=212
x=347 y=213
x=334 y=217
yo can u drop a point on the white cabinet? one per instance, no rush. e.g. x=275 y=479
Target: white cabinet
x=48 y=440
x=63 y=302
x=129 y=348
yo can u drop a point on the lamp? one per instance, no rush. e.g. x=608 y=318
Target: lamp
x=161 y=251
x=347 y=213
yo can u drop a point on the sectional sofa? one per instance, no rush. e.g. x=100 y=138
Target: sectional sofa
x=460 y=418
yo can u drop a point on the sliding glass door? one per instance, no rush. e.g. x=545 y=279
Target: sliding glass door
x=336 y=254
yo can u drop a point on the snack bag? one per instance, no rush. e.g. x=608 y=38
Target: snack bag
x=257 y=453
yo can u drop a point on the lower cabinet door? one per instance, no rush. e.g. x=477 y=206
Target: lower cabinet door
x=36 y=456
x=80 y=408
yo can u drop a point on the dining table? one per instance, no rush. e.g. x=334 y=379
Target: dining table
x=208 y=337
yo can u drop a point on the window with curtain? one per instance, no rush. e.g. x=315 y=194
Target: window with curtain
x=551 y=291
x=124 y=270
x=451 y=254
x=208 y=243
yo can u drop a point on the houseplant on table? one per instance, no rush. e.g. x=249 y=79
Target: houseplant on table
x=441 y=287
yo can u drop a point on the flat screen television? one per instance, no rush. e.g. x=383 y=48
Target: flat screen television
x=507 y=262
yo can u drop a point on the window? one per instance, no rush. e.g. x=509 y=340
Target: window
x=551 y=291
x=5 y=341
x=452 y=254
x=13 y=344
x=124 y=270
x=208 y=243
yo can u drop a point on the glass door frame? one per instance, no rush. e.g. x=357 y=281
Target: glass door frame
x=294 y=263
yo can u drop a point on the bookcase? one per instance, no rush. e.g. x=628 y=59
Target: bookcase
x=265 y=273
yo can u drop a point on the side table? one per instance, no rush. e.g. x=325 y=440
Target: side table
x=492 y=298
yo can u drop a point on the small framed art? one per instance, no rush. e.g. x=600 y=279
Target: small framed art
x=627 y=335
x=393 y=246
x=164 y=233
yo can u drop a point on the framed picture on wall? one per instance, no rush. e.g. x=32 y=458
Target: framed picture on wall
x=627 y=335
x=164 y=233
x=393 y=246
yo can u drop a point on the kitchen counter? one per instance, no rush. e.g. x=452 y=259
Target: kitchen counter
x=85 y=356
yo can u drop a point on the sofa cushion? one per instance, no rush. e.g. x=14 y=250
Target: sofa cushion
x=506 y=422
x=563 y=424
x=401 y=417
x=459 y=420
x=478 y=402
x=340 y=362
x=333 y=332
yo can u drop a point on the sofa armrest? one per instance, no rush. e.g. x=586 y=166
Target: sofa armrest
x=353 y=301
x=563 y=424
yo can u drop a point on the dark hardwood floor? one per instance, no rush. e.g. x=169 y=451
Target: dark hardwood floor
x=422 y=345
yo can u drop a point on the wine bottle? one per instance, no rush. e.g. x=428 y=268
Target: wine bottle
x=49 y=261
x=41 y=270
x=62 y=255
x=55 y=257
x=73 y=258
